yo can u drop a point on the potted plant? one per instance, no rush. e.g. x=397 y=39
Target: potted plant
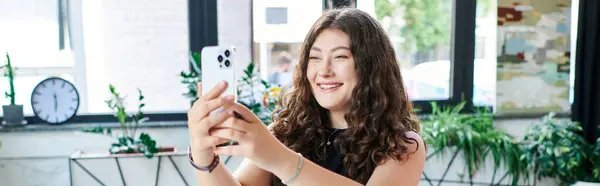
x=556 y=149
x=13 y=113
x=447 y=130
x=127 y=141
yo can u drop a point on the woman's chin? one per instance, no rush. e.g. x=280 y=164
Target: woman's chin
x=330 y=104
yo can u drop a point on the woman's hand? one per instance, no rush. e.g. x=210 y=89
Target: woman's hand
x=255 y=141
x=200 y=121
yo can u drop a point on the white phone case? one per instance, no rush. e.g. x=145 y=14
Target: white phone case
x=218 y=65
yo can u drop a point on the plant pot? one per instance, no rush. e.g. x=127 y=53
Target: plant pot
x=581 y=183
x=13 y=114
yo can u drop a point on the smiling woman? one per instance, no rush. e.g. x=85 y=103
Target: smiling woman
x=348 y=97
x=331 y=72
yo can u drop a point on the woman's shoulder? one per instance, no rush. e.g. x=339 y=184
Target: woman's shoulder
x=416 y=142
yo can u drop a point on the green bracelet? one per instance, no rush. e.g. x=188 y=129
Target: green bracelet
x=295 y=175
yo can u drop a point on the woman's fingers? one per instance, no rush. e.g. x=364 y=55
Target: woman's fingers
x=228 y=133
x=211 y=141
x=243 y=111
x=215 y=91
x=231 y=150
x=215 y=119
x=199 y=88
x=212 y=105
x=234 y=123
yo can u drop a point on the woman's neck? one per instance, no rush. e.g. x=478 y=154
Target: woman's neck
x=337 y=120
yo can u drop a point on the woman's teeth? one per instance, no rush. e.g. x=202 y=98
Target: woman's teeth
x=329 y=86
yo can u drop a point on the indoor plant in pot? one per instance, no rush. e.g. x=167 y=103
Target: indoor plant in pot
x=126 y=142
x=447 y=130
x=556 y=149
x=13 y=113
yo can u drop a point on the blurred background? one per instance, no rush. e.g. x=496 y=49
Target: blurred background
x=506 y=89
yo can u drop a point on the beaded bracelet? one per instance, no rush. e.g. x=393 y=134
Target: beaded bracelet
x=295 y=175
x=208 y=168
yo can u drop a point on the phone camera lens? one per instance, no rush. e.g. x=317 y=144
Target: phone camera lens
x=227 y=53
x=227 y=63
x=220 y=58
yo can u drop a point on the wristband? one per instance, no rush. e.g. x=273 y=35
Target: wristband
x=295 y=175
x=208 y=168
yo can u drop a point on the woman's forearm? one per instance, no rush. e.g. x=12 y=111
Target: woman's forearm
x=220 y=176
x=310 y=173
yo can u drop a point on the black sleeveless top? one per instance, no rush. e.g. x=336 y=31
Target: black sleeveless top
x=333 y=159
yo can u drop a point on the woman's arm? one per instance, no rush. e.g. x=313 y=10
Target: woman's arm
x=407 y=172
x=248 y=174
x=389 y=173
x=310 y=173
x=220 y=176
x=266 y=152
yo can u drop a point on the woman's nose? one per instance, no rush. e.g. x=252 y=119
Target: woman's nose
x=326 y=70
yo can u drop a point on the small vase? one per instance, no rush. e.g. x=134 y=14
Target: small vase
x=13 y=114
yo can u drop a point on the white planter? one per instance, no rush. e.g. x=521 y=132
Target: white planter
x=580 y=183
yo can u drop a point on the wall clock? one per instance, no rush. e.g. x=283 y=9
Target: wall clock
x=55 y=100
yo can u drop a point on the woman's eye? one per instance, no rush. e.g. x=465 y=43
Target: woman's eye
x=341 y=57
x=313 y=58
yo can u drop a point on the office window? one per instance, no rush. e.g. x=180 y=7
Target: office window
x=420 y=31
x=131 y=44
x=30 y=35
x=484 y=77
x=279 y=28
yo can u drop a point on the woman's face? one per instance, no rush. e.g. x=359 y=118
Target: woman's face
x=331 y=71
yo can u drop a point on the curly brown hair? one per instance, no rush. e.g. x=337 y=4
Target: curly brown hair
x=377 y=120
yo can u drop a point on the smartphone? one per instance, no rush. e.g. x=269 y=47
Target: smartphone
x=218 y=65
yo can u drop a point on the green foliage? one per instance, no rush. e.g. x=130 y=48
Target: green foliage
x=129 y=123
x=383 y=8
x=595 y=160
x=426 y=22
x=556 y=149
x=9 y=73
x=191 y=78
x=249 y=84
x=550 y=148
x=473 y=135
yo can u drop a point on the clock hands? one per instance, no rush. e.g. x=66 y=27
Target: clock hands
x=55 y=103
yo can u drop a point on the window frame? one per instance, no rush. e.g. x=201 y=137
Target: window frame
x=462 y=58
x=202 y=18
x=202 y=21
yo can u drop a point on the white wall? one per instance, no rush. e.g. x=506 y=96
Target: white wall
x=136 y=44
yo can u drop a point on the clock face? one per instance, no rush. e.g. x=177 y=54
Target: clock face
x=55 y=100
